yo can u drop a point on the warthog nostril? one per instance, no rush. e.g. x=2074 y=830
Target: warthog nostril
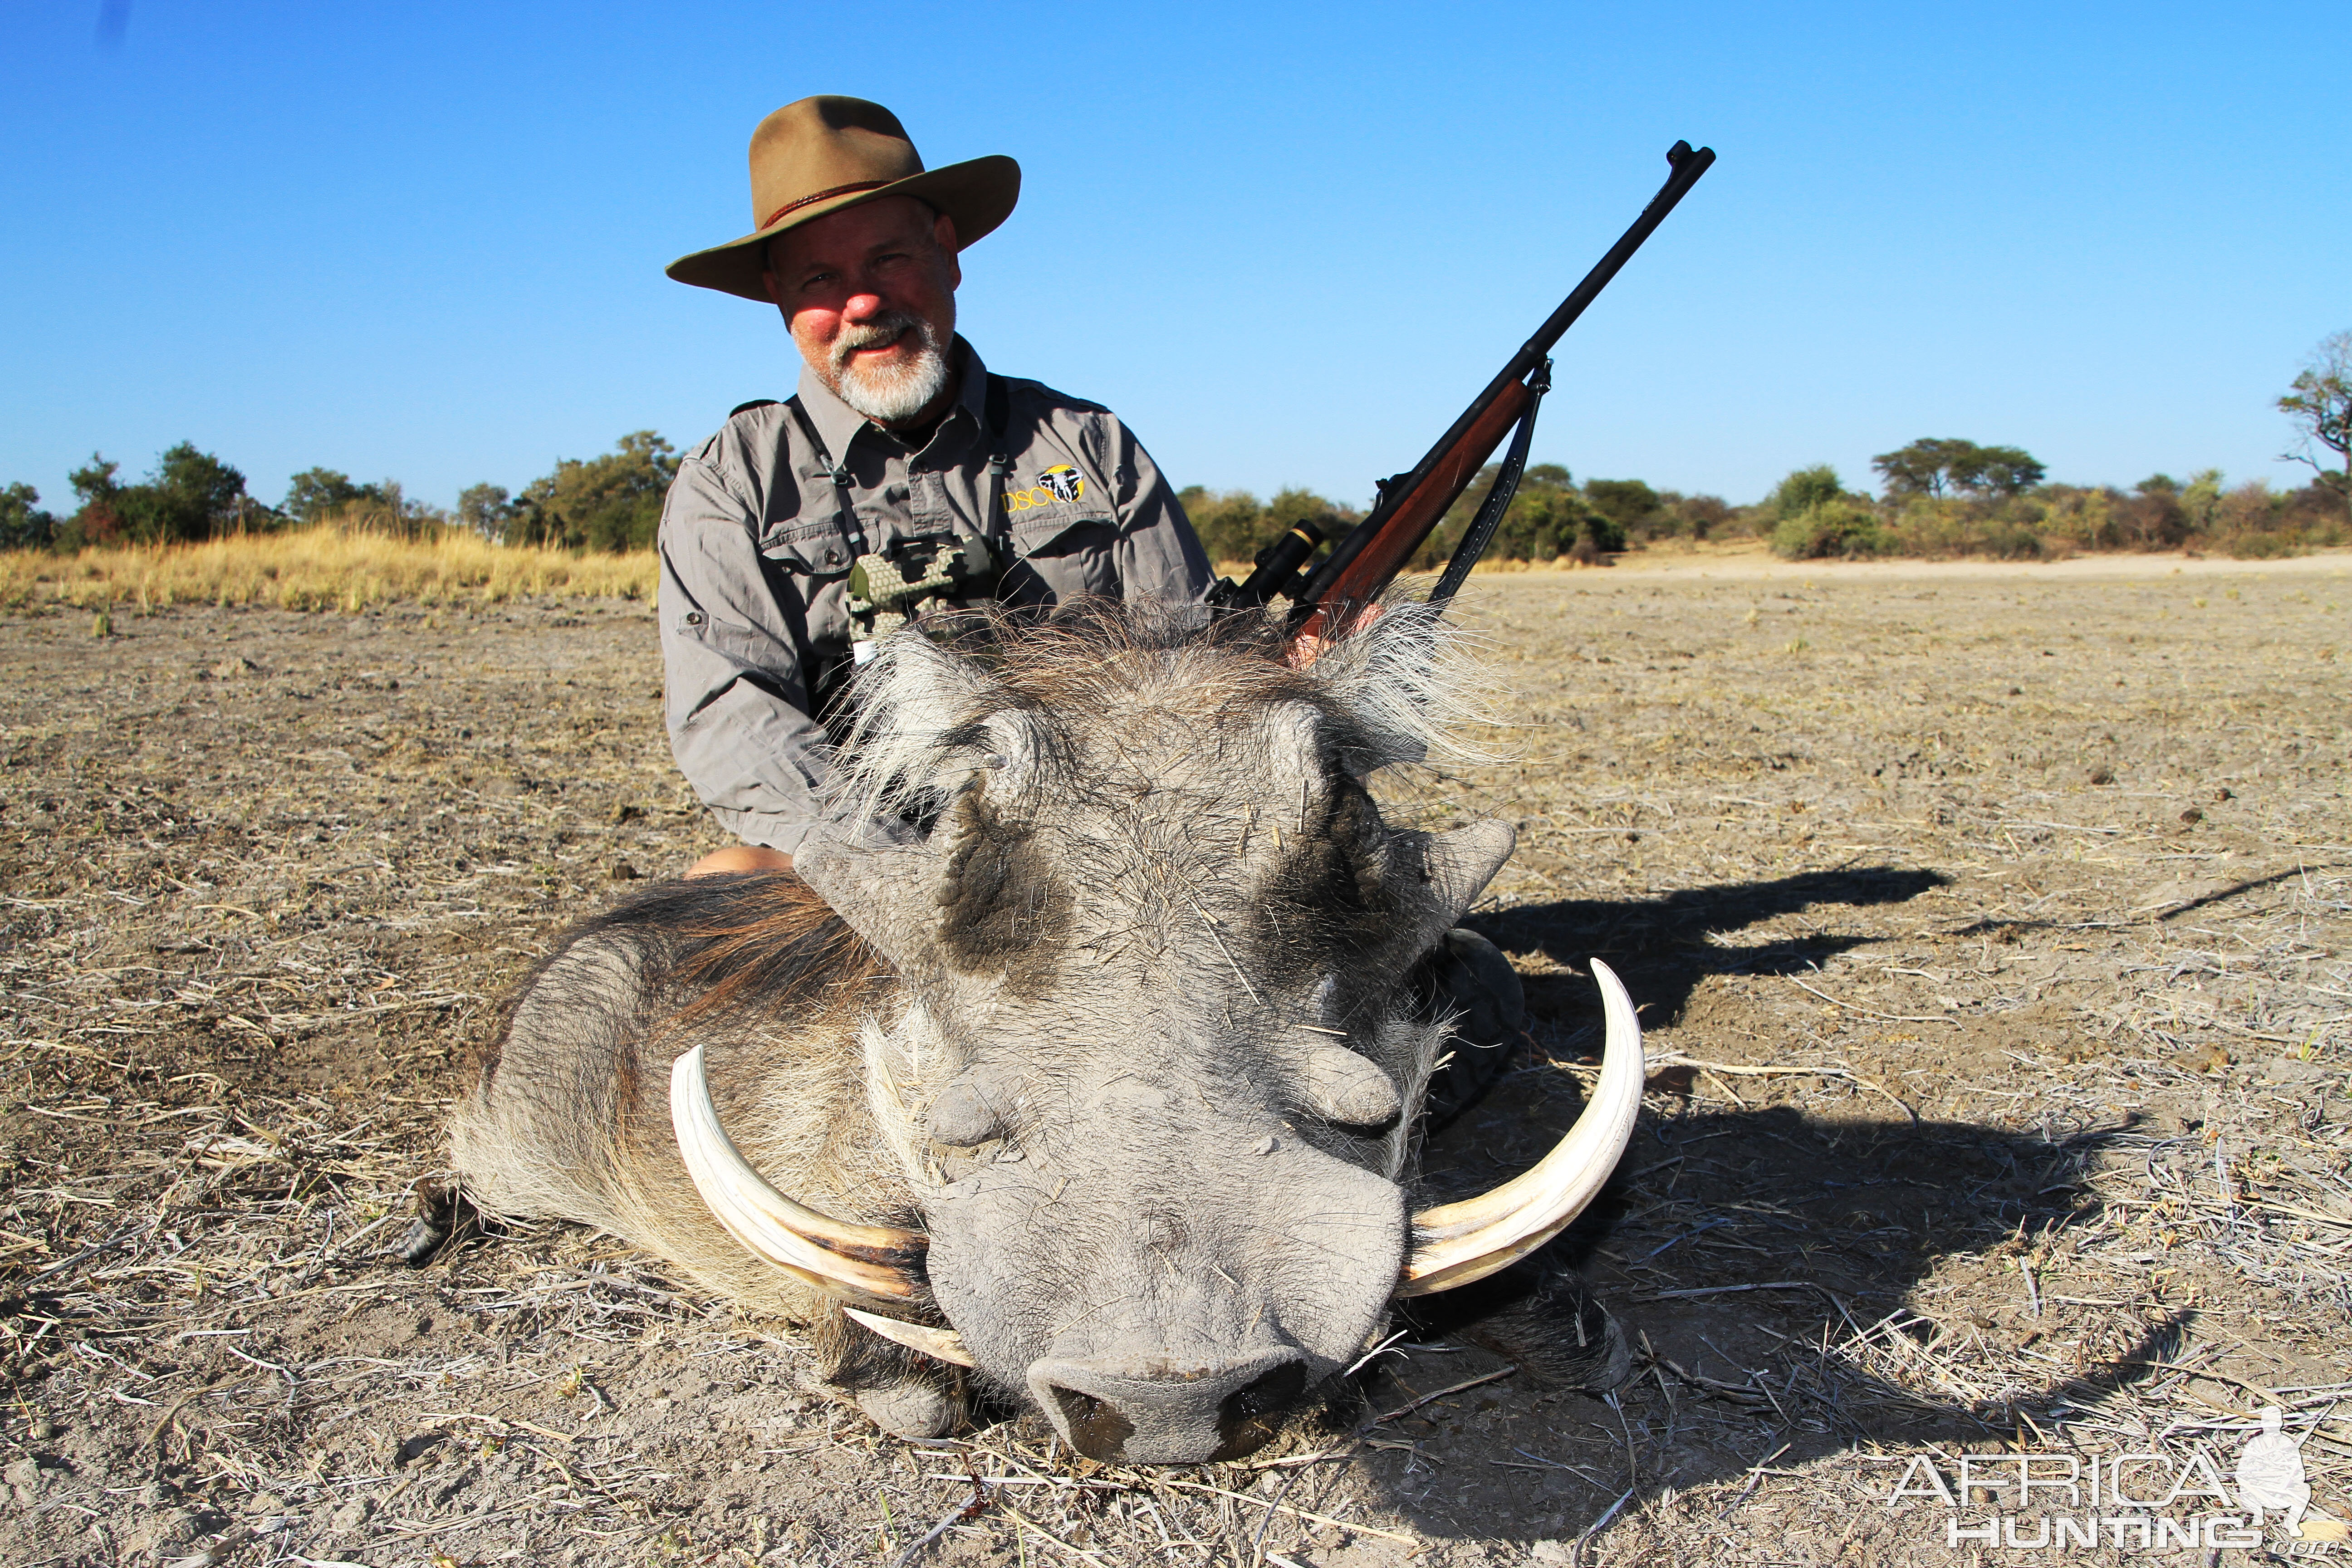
x=1097 y=1429
x=1250 y=1416
x=1151 y=1412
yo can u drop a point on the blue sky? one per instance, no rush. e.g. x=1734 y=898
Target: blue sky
x=1287 y=243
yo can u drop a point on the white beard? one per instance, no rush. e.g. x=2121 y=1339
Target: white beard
x=891 y=394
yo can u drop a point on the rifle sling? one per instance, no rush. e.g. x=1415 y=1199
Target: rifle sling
x=1481 y=532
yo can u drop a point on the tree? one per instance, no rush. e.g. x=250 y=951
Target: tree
x=191 y=495
x=1230 y=522
x=23 y=524
x=2200 y=499
x=2152 y=517
x=315 y=494
x=2320 y=408
x=1923 y=468
x=1994 y=470
x=612 y=503
x=1631 y=505
x=1235 y=525
x=98 y=519
x=487 y=510
x=1702 y=515
x=1547 y=519
x=1926 y=467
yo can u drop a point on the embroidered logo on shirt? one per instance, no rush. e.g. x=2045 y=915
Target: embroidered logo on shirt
x=1060 y=482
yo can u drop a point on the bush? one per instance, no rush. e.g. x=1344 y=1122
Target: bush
x=1601 y=533
x=1235 y=525
x=1805 y=489
x=1548 y=518
x=1699 y=517
x=2316 y=513
x=487 y=510
x=2081 y=517
x=1228 y=521
x=23 y=524
x=2254 y=523
x=610 y=503
x=2263 y=546
x=1633 y=508
x=1843 y=527
x=1924 y=526
x=1644 y=514
x=2006 y=541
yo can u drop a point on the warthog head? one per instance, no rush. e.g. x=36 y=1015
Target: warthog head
x=1155 y=1081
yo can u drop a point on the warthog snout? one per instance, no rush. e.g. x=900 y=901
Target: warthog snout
x=1117 y=1408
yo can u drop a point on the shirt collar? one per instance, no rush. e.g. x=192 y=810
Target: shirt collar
x=837 y=424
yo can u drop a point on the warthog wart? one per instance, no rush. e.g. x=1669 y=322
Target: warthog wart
x=1099 y=1096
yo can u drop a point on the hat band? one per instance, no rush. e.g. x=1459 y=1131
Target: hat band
x=775 y=217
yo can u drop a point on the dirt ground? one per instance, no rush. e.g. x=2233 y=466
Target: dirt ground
x=1992 y=928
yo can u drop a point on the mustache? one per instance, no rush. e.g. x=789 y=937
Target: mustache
x=885 y=328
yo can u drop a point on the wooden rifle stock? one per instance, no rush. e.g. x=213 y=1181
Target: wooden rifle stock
x=1376 y=563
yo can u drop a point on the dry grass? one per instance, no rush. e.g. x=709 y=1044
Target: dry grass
x=332 y=567
x=2061 y=866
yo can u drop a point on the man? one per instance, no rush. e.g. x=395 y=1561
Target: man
x=899 y=456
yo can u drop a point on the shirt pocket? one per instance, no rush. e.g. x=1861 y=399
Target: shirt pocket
x=1070 y=554
x=815 y=548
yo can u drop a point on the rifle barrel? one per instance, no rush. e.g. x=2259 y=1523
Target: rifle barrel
x=1687 y=165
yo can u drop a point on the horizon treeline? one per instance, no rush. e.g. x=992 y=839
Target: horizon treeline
x=1945 y=497
x=608 y=504
x=1942 y=496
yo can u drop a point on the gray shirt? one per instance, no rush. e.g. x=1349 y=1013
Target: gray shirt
x=760 y=527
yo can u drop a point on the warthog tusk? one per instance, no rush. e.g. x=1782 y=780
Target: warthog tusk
x=1454 y=1244
x=939 y=1344
x=870 y=1260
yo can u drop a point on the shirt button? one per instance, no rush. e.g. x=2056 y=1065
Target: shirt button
x=833 y=555
x=694 y=617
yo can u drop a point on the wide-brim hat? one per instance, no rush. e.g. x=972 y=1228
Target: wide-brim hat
x=825 y=154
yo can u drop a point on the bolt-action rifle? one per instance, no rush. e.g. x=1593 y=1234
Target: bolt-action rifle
x=1410 y=504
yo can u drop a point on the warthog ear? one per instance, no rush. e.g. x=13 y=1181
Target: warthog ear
x=1457 y=866
x=980 y=893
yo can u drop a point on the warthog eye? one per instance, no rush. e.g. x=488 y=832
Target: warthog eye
x=1332 y=886
x=1005 y=908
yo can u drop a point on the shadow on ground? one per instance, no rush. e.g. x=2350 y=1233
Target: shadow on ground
x=1668 y=942
x=1765 y=1262
x=1766 y=1266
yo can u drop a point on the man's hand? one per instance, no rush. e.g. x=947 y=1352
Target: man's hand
x=1306 y=649
x=740 y=858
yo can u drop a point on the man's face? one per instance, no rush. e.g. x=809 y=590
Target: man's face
x=869 y=295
